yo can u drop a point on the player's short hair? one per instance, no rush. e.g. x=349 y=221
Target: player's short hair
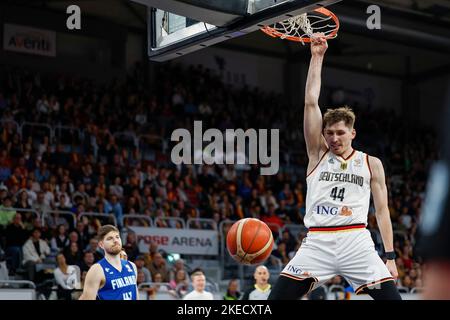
x=333 y=116
x=197 y=273
x=104 y=230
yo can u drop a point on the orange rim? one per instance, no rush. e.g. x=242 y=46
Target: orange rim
x=276 y=34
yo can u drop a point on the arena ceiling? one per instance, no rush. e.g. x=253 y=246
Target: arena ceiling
x=414 y=42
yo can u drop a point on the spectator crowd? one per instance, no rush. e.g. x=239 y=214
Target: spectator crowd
x=68 y=145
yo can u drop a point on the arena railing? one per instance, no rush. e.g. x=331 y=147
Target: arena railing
x=18 y=128
x=71 y=217
x=35 y=125
x=335 y=288
x=145 y=140
x=59 y=129
x=325 y=288
x=130 y=135
x=20 y=210
x=141 y=217
x=416 y=290
x=98 y=215
x=201 y=221
x=169 y=219
x=291 y=158
x=223 y=228
x=332 y=293
x=10 y=290
x=403 y=289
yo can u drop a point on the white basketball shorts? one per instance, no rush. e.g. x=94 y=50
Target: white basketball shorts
x=347 y=251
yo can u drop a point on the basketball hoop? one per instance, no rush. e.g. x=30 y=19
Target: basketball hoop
x=300 y=28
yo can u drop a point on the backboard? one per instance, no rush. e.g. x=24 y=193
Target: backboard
x=178 y=27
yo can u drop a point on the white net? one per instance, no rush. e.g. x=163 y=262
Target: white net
x=304 y=25
x=295 y=24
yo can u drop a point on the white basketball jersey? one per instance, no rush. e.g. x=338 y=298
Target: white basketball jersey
x=338 y=191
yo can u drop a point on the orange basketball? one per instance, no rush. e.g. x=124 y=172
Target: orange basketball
x=249 y=241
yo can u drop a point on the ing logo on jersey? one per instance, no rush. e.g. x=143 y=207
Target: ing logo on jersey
x=295 y=269
x=346 y=211
x=327 y=210
x=357 y=162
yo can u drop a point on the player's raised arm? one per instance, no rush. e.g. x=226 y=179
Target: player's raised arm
x=92 y=283
x=380 y=200
x=312 y=125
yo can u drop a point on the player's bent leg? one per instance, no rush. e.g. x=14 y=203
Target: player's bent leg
x=363 y=268
x=384 y=291
x=289 y=289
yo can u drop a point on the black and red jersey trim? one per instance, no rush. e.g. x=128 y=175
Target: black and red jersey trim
x=338 y=228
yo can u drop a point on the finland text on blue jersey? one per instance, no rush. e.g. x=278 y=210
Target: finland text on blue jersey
x=119 y=285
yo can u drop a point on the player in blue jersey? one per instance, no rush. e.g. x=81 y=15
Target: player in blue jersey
x=111 y=278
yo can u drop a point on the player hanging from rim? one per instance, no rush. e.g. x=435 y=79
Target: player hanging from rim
x=339 y=180
x=111 y=278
